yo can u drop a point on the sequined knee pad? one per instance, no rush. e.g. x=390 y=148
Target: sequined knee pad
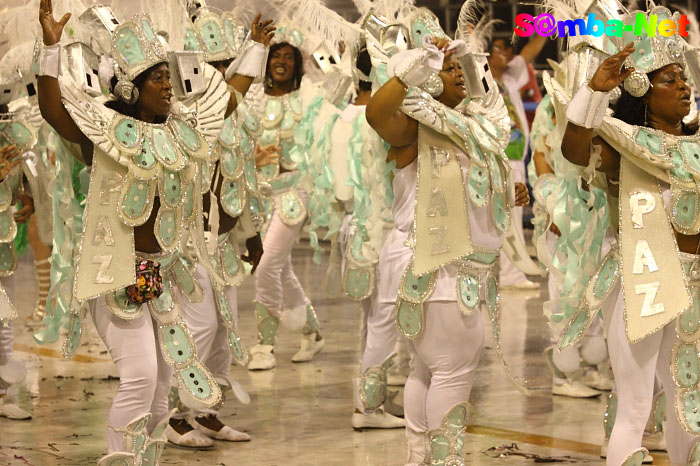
x=636 y=458
x=372 y=385
x=139 y=447
x=312 y=324
x=267 y=324
x=445 y=444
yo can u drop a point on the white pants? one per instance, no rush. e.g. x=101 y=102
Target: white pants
x=7 y=338
x=276 y=285
x=144 y=377
x=635 y=367
x=508 y=273
x=382 y=334
x=203 y=320
x=444 y=359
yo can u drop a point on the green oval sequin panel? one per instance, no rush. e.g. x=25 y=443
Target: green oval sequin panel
x=230 y=260
x=273 y=110
x=186 y=135
x=5 y=225
x=127 y=133
x=678 y=169
x=478 y=185
x=164 y=303
x=288 y=121
x=128 y=47
x=649 y=141
x=689 y=320
x=468 y=291
x=250 y=176
x=231 y=198
x=439 y=448
x=212 y=37
x=492 y=293
x=373 y=388
x=20 y=134
x=145 y=159
x=224 y=309
x=188 y=208
x=409 y=317
x=167 y=231
x=184 y=279
x=456 y=419
x=8 y=260
x=691 y=153
x=227 y=135
x=191 y=42
x=496 y=173
x=690 y=412
x=124 y=304
x=148 y=30
x=172 y=188
x=684 y=209
x=196 y=382
x=606 y=277
x=291 y=209
x=134 y=201
x=417 y=289
x=687 y=365
x=163 y=147
x=234 y=342
x=176 y=342
x=229 y=163
x=244 y=142
x=357 y=282
x=498 y=211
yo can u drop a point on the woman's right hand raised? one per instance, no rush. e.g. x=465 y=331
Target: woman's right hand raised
x=51 y=28
x=610 y=74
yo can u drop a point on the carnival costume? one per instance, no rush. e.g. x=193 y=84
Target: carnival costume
x=136 y=165
x=435 y=276
x=213 y=320
x=644 y=285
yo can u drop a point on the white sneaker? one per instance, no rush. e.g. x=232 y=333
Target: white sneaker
x=192 y=440
x=654 y=442
x=523 y=285
x=648 y=459
x=574 y=389
x=12 y=411
x=309 y=348
x=228 y=434
x=594 y=379
x=378 y=419
x=261 y=358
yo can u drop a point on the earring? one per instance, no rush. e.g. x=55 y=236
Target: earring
x=268 y=82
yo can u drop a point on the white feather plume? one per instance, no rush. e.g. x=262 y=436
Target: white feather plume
x=19 y=57
x=363 y=6
x=393 y=9
x=322 y=22
x=475 y=25
x=245 y=12
x=21 y=23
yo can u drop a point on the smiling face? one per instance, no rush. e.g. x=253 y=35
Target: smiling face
x=156 y=92
x=669 y=97
x=452 y=77
x=282 y=65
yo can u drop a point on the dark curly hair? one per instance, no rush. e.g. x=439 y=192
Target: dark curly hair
x=633 y=110
x=132 y=110
x=298 y=64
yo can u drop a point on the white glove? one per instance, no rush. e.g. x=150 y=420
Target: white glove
x=587 y=107
x=413 y=67
x=251 y=62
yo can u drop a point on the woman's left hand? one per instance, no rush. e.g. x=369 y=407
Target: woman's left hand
x=262 y=31
x=522 y=196
x=23 y=214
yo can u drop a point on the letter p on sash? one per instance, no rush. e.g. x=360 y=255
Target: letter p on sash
x=641 y=203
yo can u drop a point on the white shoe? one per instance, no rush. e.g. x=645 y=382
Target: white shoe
x=12 y=411
x=310 y=347
x=648 y=459
x=574 y=389
x=598 y=381
x=378 y=419
x=228 y=434
x=654 y=442
x=193 y=439
x=523 y=285
x=261 y=358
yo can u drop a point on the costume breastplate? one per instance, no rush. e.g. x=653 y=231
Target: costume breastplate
x=280 y=117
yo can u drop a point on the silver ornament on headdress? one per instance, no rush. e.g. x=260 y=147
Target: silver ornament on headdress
x=124 y=88
x=637 y=83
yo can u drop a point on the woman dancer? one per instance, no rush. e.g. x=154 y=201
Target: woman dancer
x=647 y=161
x=435 y=275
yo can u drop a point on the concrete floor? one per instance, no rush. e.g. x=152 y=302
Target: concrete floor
x=300 y=413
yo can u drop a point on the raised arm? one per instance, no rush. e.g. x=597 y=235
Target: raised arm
x=49 y=92
x=586 y=110
x=533 y=48
x=385 y=116
x=262 y=33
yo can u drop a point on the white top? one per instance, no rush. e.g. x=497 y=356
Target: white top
x=396 y=253
x=513 y=79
